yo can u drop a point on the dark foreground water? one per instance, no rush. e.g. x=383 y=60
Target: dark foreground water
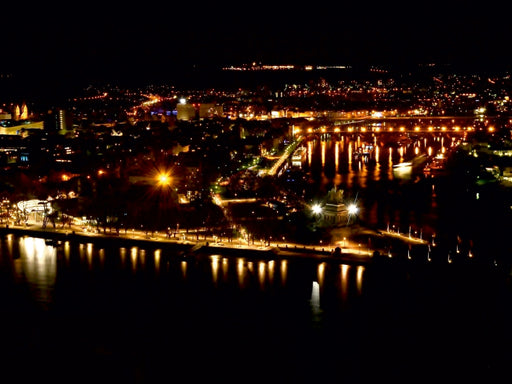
x=79 y=313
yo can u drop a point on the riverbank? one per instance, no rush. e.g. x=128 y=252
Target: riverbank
x=362 y=246
x=350 y=253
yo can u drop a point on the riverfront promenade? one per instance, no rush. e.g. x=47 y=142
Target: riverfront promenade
x=349 y=249
x=191 y=242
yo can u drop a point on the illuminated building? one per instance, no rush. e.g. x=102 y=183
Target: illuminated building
x=21 y=113
x=186 y=111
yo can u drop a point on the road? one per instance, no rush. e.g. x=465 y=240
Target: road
x=347 y=250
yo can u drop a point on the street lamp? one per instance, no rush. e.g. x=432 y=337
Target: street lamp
x=352 y=209
x=164 y=179
x=317 y=209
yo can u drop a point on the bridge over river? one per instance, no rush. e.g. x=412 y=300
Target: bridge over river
x=404 y=124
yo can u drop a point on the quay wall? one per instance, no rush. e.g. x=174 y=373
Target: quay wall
x=184 y=247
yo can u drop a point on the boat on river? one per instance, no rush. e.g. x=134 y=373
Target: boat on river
x=436 y=167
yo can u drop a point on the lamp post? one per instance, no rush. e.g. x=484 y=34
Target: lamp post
x=352 y=211
x=164 y=179
x=162 y=184
x=317 y=209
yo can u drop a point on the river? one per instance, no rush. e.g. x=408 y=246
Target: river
x=82 y=312
x=450 y=210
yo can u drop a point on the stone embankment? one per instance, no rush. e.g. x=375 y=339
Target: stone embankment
x=190 y=247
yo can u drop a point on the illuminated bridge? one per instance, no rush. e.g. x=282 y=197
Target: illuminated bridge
x=405 y=124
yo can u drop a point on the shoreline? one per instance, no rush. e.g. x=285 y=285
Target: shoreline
x=187 y=247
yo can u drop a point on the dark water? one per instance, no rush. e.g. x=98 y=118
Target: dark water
x=82 y=313
x=450 y=210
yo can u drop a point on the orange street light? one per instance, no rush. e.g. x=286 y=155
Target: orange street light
x=164 y=179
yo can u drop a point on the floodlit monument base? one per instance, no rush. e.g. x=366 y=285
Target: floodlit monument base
x=334 y=211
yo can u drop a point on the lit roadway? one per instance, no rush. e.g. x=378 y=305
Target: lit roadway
x=350 y=251
x=286 y=154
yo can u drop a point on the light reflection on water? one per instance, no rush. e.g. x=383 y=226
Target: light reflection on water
x=343 y=156
x=135 y=307
x=363 y=166
x=38 y=265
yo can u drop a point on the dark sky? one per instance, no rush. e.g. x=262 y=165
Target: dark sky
x=148 y=39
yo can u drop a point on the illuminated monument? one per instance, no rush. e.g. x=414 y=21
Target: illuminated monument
x=334 y=210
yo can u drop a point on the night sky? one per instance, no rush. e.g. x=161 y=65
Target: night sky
x=147 y=40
